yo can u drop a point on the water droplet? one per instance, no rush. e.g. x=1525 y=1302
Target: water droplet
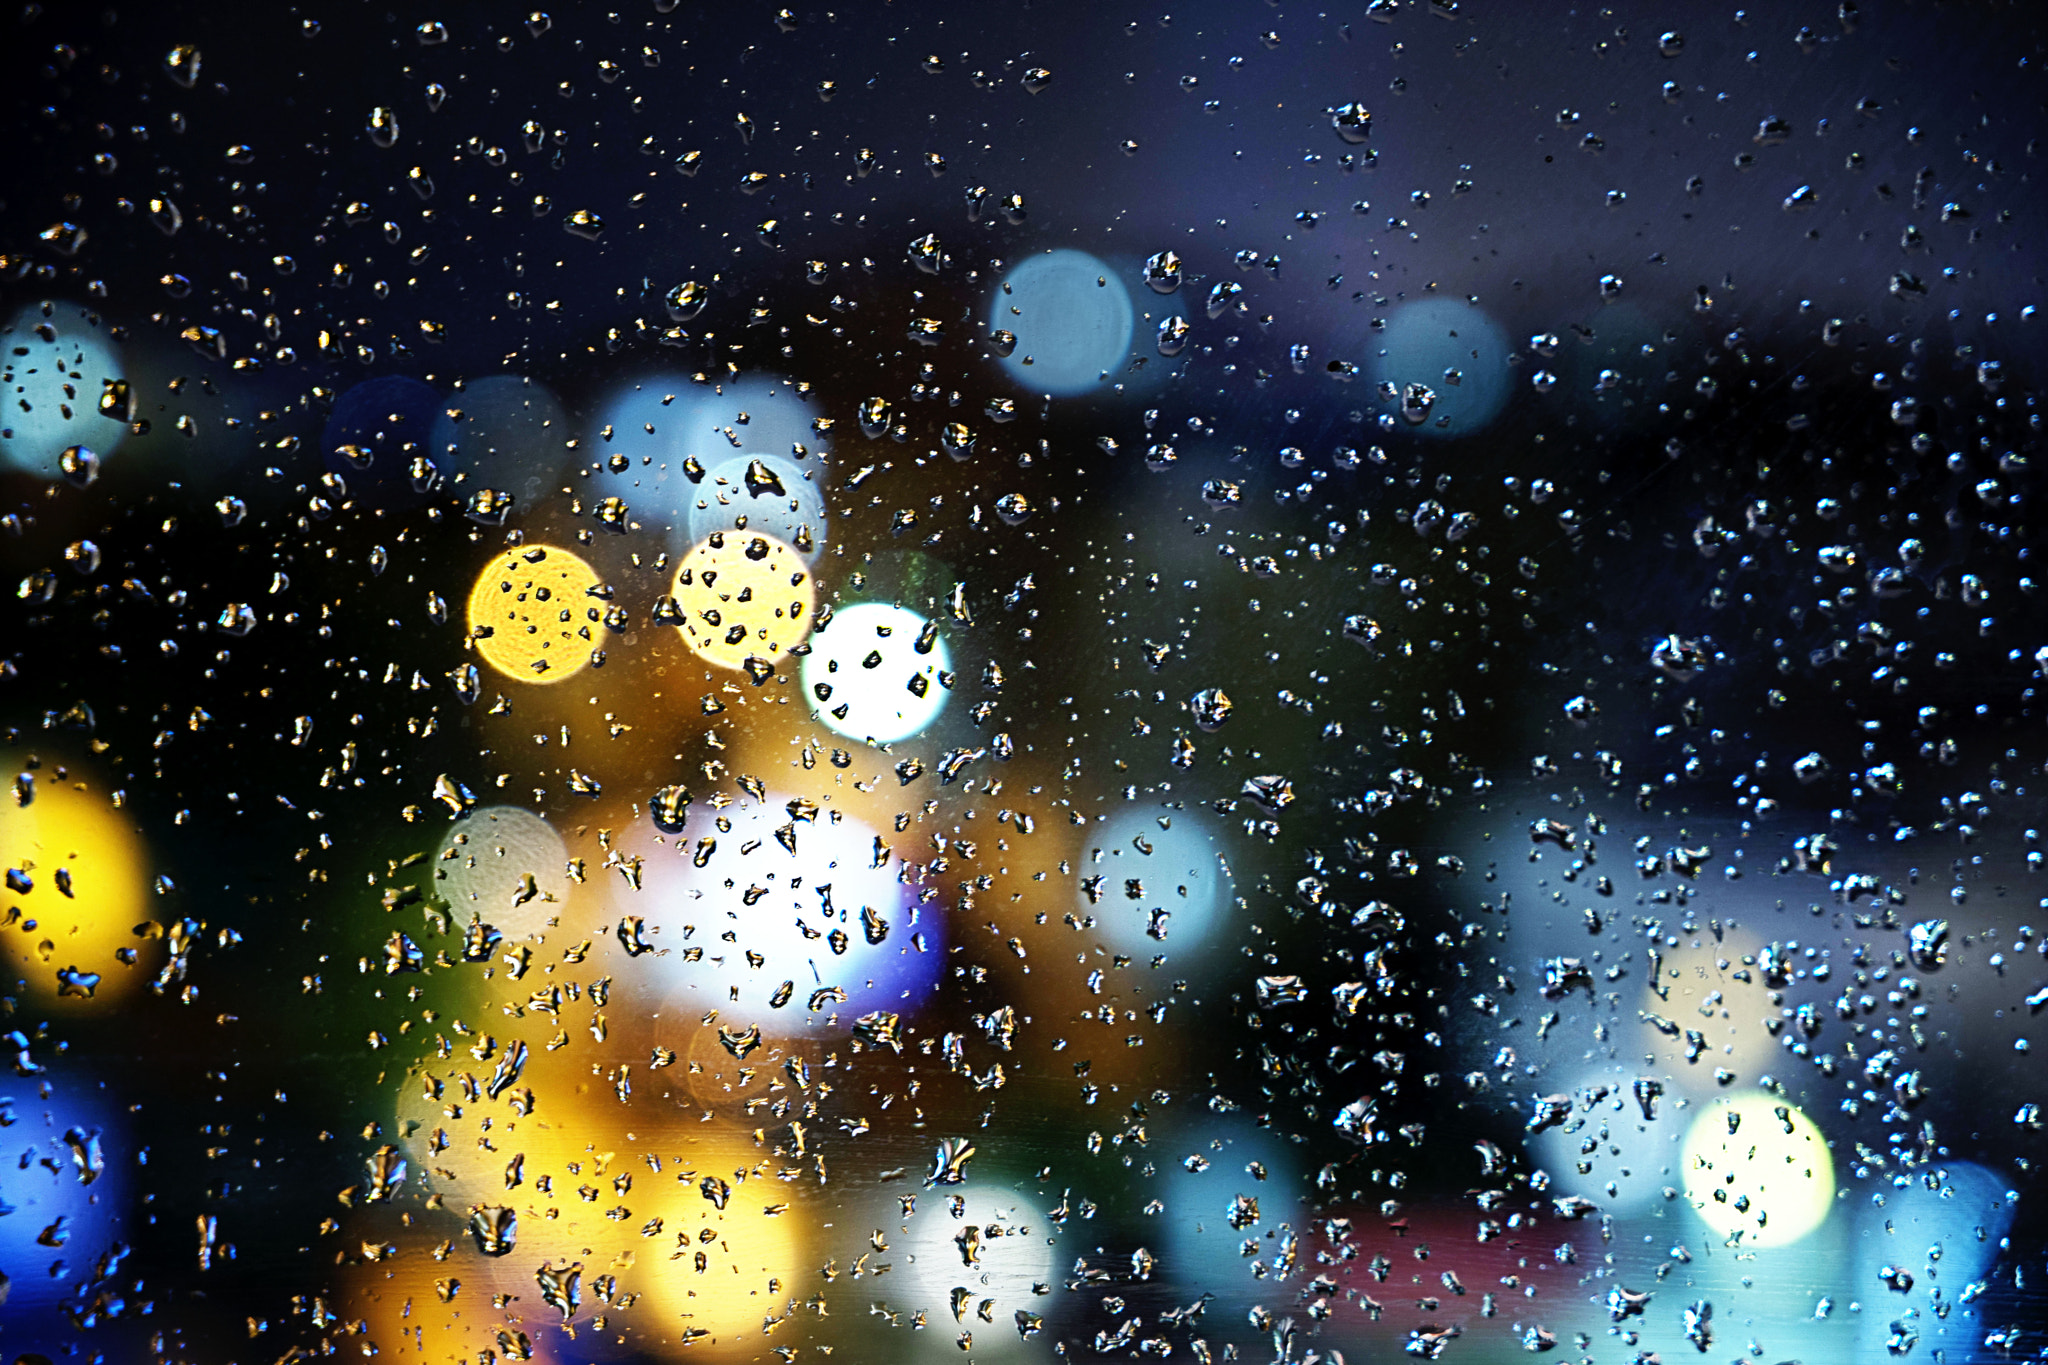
x=181 y=64
x=1163 y=272
x=1352 y=121
x=687 y=300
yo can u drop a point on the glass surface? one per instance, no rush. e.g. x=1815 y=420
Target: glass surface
x=989 y=682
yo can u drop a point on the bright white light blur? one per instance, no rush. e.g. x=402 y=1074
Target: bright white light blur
x=485 y=864
x=1013 y=1255
x=662 y=421
x=1178 y=869
x=861 y=675
x=1424 y=339
x=513 y=434
x=1756 y=1165
x=50 y=396
x=1072 y=319
x=821 y=917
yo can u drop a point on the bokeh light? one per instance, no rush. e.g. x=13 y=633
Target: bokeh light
x=512 y=434
x=1455 y=351
x=531 y=614
x=89 y=879
x=1945 y=1236
x=66 y=1191
x=770 y=494
x=689 y=445
x=743 y=596
x=50 y=391
x=506 y=866
x=1072 y=319
x=720 y=1271
x=1756 y=1167
x=1013 y=1252
x=1225 y=1183
x=567 y=1167
x=1632 y=1160
x=1170 y=869
x=817 y=927
x=873 y=672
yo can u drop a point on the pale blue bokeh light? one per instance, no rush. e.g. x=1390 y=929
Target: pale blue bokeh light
x=512 y=435
x=661 y=422
x=50 y=394
x=1200 y=1246
x=1072 y=319
x=1424 y=339
x=1179 y=869
x=727 y=501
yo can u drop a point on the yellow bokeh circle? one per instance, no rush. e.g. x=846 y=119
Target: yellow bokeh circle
x=532 y=616
x=743 y=595
x=1758 y=1168
x=87 y=878
x=722 y=1271
x=702 y=1230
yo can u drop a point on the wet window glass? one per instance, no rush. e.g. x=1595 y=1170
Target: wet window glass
x=1244 y=682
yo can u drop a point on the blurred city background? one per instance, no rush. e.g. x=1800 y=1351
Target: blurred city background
x=1042 y=680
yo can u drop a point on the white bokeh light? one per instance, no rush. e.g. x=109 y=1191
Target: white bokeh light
x=486 y=862
x=1634 y=1160
x=820 y=917
x=50 y=393
x=873 y=673
x=1012 y=1255
x=1756 y=1167
x=1072 y=319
